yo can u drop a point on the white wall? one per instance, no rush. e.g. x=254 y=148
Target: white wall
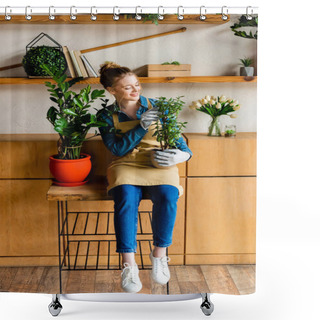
x=210 y=49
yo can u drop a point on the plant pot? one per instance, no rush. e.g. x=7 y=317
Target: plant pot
x=247 y=71
x=154 y=162
x=70 y=172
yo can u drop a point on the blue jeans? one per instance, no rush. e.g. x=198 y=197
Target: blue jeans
x=126 y=202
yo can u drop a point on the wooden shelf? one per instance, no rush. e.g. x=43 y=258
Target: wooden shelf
x=191 y=79
x=108 y=19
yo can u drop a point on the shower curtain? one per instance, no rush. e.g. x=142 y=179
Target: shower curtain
x=61 y=238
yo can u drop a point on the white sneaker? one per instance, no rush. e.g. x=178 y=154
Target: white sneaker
x=160 y=271
x=130 y=281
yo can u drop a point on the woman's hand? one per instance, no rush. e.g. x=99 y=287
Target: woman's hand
x=148 y=117
x=170 y=157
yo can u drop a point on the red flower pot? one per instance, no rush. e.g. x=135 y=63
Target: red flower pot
x=70 y=172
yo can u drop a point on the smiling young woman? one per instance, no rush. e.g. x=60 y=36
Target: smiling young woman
x=131 y=172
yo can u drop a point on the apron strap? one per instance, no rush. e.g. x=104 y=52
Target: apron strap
x=115 y=116
x=115 y=120
x=149 y=104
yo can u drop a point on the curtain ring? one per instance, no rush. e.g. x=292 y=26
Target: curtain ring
x=93 y=16
x=138 y=17
x=73 y=16
x=249 y=16
x=28 y=16
x=51 y=16
x=224 y=16
x=180 y=16
x=116 y=15
x=7 y=16
x=160 y=16
x=203 y=16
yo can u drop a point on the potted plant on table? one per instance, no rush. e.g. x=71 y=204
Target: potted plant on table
x=216 y=107
x=167 y=129
x=72 y=120
x=246 y=70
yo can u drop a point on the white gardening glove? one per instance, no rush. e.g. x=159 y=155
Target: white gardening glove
x=148 y=117
x=170 y=157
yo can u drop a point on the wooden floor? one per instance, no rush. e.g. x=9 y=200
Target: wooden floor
x=227 y=279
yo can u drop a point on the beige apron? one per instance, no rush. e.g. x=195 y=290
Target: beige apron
x=135 y=167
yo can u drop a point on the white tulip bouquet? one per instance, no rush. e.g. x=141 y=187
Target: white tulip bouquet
x=216 y=107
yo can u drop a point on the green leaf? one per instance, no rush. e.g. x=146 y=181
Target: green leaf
x=70 y=112
x=62 y=78
x=52 y=114
x=78 y=102
x=60 y=125
x=49 y=84
x=85 y=97
x=97 y=94
x=67 y=95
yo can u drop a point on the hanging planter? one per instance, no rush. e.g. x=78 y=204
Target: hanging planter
x=52 y=56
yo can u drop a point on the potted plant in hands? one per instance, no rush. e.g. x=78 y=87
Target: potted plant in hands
x=167 y=129
x=246 y=70
x=72 y=120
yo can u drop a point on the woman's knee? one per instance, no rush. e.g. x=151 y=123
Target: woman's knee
x=165 y=194
x=126 y=195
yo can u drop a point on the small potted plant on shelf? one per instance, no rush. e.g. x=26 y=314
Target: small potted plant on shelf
x=216 y=107
x=72 y=120
x=167 y=129
x=246 y=70
x=230 y=131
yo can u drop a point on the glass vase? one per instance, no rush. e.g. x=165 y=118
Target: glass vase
x=215 y=127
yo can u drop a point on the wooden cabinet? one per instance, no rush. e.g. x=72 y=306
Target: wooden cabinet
x=221 y=199
x=216 y=214
x=220 y=156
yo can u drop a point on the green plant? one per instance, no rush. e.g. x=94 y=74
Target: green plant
x=71 y=118
x=229 y=132
x=168 y=130
x=37 y=56
x=146 y=17
x=244 y=22
x=246 y=62
x=174 y=62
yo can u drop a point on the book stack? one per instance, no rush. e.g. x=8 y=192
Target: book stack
x=78 y=64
